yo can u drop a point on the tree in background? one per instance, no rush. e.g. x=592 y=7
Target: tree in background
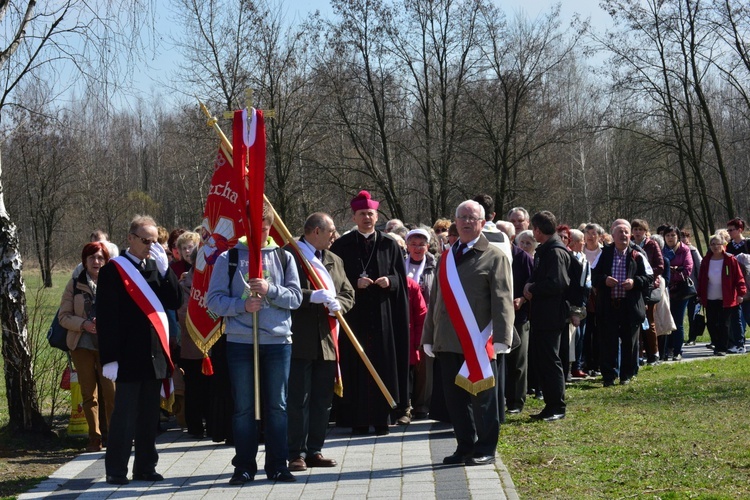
x=73 y=36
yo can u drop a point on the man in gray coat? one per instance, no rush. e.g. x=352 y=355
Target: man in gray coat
x=315 y=344
x=471 y=304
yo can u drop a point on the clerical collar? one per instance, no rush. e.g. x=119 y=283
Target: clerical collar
x=366 y=235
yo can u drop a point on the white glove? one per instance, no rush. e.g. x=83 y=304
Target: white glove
x=333 y=306
x=318 y=297
x=160 y=256
x=501 y=348
x=322 y=296
x=110 y=370
x=428 y=350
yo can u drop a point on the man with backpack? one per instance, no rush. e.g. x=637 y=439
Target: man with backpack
x=232 y=295
x=549 y=312
x=621 y=275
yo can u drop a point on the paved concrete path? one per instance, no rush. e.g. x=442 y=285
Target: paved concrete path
x=405 y=464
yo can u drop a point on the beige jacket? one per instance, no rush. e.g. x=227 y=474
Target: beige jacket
x=486 y=276
x=73 y=309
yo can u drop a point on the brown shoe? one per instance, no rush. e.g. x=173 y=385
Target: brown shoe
x=297 y=465
x=95 y=444
x=319 y=460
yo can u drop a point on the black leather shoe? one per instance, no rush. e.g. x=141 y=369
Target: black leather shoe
x=148 y=476
x=119 y=480
x=554 y=417
x=455 y=459
x=483 y=460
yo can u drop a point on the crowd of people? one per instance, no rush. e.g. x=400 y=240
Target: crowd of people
x=461 y=321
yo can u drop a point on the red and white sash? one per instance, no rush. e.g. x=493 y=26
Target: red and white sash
x=147 y=301
x=476 y=373
x=309 y=252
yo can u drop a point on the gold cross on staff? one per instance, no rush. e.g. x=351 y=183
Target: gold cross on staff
x=270 y=113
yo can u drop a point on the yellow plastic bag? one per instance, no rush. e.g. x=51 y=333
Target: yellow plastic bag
x=77 y=426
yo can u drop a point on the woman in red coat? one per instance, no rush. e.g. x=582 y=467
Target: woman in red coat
x=721 y=286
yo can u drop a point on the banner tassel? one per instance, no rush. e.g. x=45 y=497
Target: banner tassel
x=207 y=368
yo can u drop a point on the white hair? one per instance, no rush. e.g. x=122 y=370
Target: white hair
x=471 y=204
x=506 y=227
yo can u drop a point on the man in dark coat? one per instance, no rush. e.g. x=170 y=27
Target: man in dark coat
x=549 y=312
x=620 y=275
x=374 y=265
x=314 y=347
x=134 y=351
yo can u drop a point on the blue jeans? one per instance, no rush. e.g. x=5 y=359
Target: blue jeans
x=737 y=329
x=274 y=379
x=677 y=337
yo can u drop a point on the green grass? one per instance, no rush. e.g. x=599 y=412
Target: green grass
x=679 y=431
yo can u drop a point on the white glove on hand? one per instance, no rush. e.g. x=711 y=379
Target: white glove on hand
x=501 y=348
x=333 y=306
x=110 y=370
x=160 y=256
x=428 y=350
x=318 y=297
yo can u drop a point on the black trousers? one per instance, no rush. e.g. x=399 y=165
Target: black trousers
x=546 y=346
x=475 y=419
x=620 y=336
x=197 y=396
x=308 y=405
x=719 y=321
x=135 y=417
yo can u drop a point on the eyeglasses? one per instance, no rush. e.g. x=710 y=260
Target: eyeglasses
x=417 y=245
x=468 y=218
x=145 y=241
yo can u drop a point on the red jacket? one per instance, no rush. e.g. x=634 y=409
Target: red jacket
x=732 y=280
x=417 y=314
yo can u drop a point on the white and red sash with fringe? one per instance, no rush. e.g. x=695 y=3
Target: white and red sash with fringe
x=333 y=323
x=476 y=373
x=147 y=301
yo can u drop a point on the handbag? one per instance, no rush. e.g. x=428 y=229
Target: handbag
x=653 y=295
x=683 y=290
x=57 y=335
x=65 y=380
x=698 y=324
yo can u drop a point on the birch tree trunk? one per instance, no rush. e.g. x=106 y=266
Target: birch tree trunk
x=20 y=387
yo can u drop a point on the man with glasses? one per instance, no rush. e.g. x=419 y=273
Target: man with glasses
x=133 y=292
x=471 y=308
x=736 y=246
x=519 y=217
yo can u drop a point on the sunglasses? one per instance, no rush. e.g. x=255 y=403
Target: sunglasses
x=145 y=241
